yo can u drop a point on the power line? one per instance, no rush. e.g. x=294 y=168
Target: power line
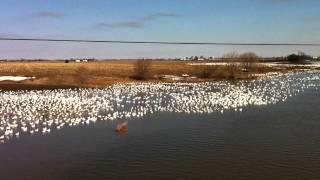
x=160 y=42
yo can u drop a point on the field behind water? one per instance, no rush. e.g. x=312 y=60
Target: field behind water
x=84 y=74
x=58 y=74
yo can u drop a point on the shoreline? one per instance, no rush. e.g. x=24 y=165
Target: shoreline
x=57 y=75
x=27 y=86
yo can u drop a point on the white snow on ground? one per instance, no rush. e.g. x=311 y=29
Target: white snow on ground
x=210 y=64
x=15 y=78
x=313 y=65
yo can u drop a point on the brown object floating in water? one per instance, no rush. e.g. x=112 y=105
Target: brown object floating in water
x=123 y=127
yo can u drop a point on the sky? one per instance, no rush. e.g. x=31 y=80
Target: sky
x=240 y=21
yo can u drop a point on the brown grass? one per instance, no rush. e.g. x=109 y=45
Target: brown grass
x=100 y=74
x=142 y=69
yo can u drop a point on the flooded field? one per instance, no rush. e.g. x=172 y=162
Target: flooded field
x=251 y=129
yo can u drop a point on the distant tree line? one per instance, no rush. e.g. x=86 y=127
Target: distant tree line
x=299 y=58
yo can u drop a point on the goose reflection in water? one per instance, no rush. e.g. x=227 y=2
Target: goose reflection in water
x=34 y=112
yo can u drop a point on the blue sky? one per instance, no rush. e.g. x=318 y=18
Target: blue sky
x=246 y=21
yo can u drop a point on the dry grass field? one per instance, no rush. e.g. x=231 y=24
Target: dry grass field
x=58 y=74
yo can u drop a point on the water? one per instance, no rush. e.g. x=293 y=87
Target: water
x=275 y=136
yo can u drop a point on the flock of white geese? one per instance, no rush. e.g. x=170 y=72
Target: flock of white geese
x=41 y=111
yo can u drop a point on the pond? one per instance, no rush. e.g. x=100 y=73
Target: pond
x=265 y=128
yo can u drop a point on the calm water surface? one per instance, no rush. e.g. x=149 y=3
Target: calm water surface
x=278 y=141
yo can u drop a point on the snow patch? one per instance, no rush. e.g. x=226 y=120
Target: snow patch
x=15 y=78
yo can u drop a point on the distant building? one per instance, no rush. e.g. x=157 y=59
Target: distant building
x=197 y=58
x=201 y=58
x=81 y=60
x=186 y=59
